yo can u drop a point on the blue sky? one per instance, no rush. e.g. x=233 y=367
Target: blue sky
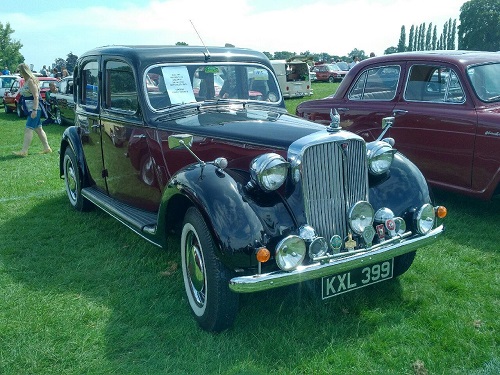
x=52 y=29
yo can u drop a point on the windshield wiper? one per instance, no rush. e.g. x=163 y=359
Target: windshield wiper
x=176 y=111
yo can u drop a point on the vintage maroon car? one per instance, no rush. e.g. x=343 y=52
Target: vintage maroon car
x=12 y=97
x=447 y=107
x=259 y=198
x=329 y=73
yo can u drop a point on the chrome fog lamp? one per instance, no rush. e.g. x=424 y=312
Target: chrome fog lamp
x=269 y=171
x=383 y=214
x=424 y=218
x=380 y=155
x=290 y=252
x=318 y=247
x=360 y=216
x=307 y=233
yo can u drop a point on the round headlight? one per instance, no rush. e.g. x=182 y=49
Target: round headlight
x=380 y=156
x=360 y=216
x=290 y=253
x=269 y=171
x=425 y=219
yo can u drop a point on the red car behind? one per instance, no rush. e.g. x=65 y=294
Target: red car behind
x=12 y=97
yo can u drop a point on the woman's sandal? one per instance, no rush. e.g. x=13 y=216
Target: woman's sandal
x=20 y=153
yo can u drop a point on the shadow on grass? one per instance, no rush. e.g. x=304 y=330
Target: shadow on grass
x=134 y=290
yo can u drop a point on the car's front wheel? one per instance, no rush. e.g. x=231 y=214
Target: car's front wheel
x=6 y=108
x=331 y=79
x=206 y=279
x=73 y=182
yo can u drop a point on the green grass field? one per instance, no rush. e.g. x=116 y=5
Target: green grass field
x=81 y=294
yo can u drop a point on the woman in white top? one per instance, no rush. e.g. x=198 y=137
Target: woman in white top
x=31 y=95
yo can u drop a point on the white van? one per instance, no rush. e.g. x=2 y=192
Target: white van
x=293 y=78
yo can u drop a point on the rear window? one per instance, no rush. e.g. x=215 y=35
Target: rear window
x=379 y=83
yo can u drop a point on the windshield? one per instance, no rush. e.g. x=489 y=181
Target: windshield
x=168 y=85
x=485 y=80
x=6 y=82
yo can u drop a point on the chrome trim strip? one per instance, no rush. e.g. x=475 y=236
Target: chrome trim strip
x=256 y=283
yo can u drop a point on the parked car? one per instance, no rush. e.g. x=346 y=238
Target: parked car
x=12 y=96
x=343 y=65
x=329 y=73
x=61 y=104
x=260 y=198
x=5 y=84
x=448 y=113
x=312 y=75
x=294 y=78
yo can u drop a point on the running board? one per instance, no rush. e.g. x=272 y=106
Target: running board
x=138 y=220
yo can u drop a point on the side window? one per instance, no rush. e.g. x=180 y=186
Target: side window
x=378 y=83
x=121 y=91
x=437 y=84
x=90 y=84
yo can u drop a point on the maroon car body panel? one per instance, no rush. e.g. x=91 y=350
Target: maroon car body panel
x=455 y=144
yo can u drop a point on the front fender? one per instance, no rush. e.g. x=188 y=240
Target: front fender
x=71 y=138
x=401 y=189
x=240 y=221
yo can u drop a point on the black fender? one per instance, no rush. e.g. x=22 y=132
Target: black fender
x=241 y=219
x=71 y=138
x=402 y=189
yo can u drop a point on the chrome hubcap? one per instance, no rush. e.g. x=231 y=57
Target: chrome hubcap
x=195 y=268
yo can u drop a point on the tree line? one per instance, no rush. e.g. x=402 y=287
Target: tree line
x=479 y=30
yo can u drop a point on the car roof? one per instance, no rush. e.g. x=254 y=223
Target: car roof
x=153 y=54
x=459 y=57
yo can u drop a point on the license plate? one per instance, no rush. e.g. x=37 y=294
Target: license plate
x=332 y=286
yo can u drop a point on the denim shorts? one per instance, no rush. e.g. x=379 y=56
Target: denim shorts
x=33 y=123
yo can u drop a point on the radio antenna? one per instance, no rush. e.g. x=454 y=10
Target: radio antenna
x=207 y=54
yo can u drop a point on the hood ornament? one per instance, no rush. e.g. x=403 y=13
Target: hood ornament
x=335 y=121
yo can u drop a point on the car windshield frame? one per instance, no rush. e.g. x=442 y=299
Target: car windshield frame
x=195 y=83
x=485 y=81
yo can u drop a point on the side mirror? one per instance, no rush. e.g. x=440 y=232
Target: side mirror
x=387 y=122
x=177 y=141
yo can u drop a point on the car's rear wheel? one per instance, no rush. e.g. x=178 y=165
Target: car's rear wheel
x=206 y=279
x=73 y=182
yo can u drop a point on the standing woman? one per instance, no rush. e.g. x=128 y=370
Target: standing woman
x=31 y=93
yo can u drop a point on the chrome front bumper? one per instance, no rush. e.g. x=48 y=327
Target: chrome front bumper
x=256 y=283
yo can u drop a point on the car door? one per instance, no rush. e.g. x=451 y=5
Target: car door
x=437 y=131
x=87 y=113
x=64 y=101
x=129 y=169
x=372 y=96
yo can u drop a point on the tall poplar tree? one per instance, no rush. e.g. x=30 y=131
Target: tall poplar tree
x=402 y=40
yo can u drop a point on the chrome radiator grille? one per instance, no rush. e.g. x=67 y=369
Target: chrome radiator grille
x=334 y=177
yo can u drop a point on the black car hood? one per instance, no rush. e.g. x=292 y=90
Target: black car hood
x=258 y=127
